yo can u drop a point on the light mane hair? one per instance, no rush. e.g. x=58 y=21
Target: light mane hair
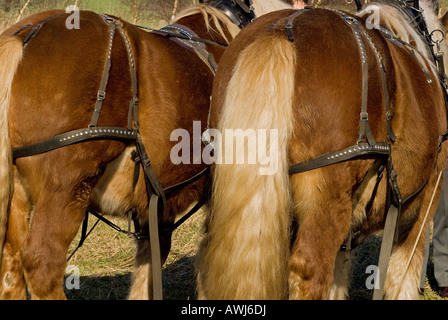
x=434 y=22
x=216 y=16
x=402 y=27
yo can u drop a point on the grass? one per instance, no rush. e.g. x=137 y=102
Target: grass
x=367 y=254
x=118 y=8
x=112 y=7
x=105 y=263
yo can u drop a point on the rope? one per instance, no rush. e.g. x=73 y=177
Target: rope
x=421 y=230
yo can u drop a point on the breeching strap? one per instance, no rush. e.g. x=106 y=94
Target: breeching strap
x=154 y=190
x=156 y=195
x=101 y=96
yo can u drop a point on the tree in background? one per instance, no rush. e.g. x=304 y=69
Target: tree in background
x=23 y=6
x=154 y=13
x=156 y=9
x=149 y=12
x=330 y=2
x=6 y=5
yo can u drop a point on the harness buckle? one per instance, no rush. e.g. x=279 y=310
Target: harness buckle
x=350 y=20
x=389 y=115
x=101 y=95
x=364 y=116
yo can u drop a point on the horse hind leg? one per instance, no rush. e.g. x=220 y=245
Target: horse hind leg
x=113 y=195
x=345 y=257
x=12 y=284
x=324 y=218
x=141 y=284
x=59 y=210
x=56 y=220
x=141 y=288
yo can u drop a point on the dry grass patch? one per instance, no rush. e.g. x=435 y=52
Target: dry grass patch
x=106 y=259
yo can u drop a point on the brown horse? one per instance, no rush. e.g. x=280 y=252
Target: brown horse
x=303 y=100
x=49 y=87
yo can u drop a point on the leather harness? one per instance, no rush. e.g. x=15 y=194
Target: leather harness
x=239 y=12
x=130 y=134
x=366 y=146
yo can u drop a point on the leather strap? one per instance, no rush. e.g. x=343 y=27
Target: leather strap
x=370 y=148
x=361 y=148
x=179 y=222
x=32 y=33
x=390 y=235
x=289 y=22
x=157 y=205
x=394 y=199
x=349 y=153
x=84 y=234
x=169 y=33
x=156 y=264
x=364 y=127
x=74 y=137
x=385 y=251
x=188 y=181
x=101 y=96
x=189 y=43
x=134 y=102
x=237 y=11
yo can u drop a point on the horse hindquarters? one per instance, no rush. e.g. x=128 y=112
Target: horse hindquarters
x=245 y=252
x=418 y=160
x=60 y=181
x=12 y=284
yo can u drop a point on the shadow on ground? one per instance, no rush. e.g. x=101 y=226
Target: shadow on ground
x=179 y=279
x=179 y=283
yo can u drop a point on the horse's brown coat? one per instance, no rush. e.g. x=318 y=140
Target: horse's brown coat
x=54 y=91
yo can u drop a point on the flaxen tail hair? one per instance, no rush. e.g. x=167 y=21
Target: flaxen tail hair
x=214 y=15
x=10 y=56
x=245 y=252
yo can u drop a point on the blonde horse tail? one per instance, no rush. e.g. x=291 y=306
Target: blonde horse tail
x=11 y=50
x=245 y=252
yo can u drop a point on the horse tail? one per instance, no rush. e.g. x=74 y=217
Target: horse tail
x=245 y=252
x=11 y=51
